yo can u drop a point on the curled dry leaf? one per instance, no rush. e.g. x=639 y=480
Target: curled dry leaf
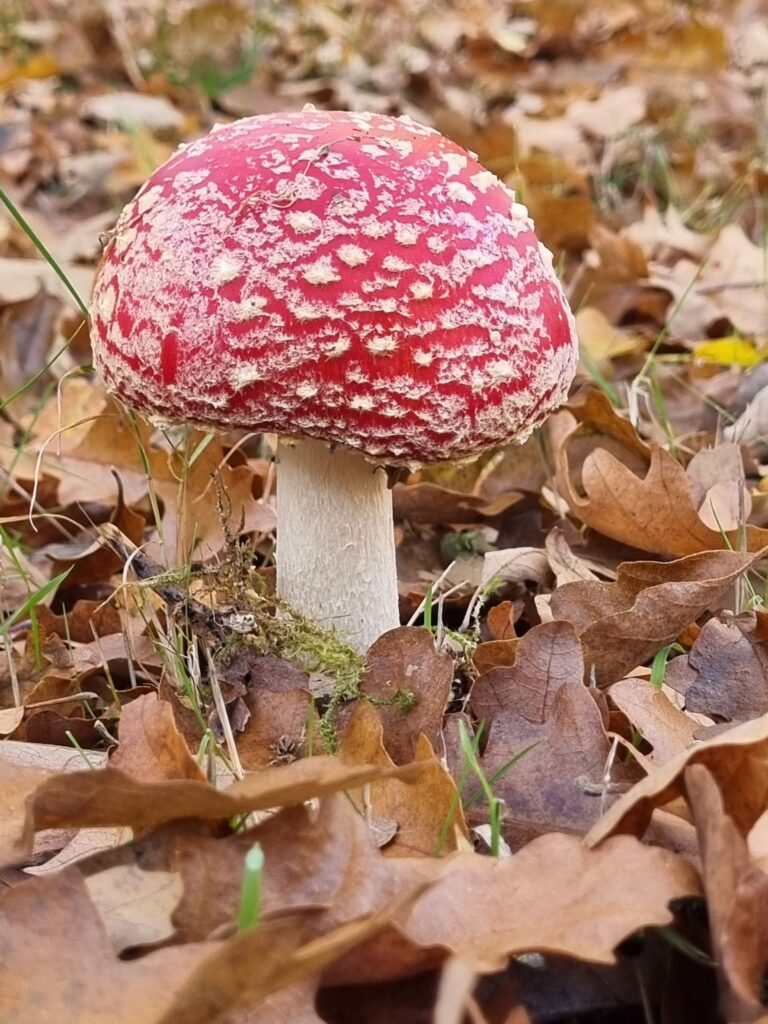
x=151 y=748
x=737 y=759
x=636 y=495
x=737 y=899
x=259 y=961
x=405 y=662
x=668 y=729
x=479 y=909
x=566 y=564
x=58 y=962
x=622 y=624
x=423 y=808
x=109 y=797
x=652 y=513
x=552 y=897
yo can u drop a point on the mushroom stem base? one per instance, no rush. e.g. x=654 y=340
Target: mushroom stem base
x=335 y=540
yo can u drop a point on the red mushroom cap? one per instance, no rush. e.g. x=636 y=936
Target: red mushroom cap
x=348 y=277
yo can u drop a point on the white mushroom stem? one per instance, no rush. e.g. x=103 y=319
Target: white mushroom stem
x=335 y=540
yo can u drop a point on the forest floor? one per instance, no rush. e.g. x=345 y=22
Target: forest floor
x=546 y=797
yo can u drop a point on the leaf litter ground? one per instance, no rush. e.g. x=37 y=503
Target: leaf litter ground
x=551 y=802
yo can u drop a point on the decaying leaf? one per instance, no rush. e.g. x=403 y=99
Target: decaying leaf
x=622 y=624
x=738 y=761
x=668 y=730
x=426 y=811
x=410 y=681
x=737 y=897
x=724 y=673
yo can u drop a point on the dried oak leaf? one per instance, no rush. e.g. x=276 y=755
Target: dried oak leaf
x=668 y=729
x=552 y=896
x=738 y=760
x=432 y=503
x=405 y=661
x=57 y=962
x=151 y=748
x=495 y=654
x=622 y=624
x=421 y=808
x=653 y=513
x=542 y=703
x=278 y=728
x=17 y=782
x=625 y=490
x=737 y=900
x=110 y=797
x=259 y=961
x=325 y=856
x=546 y=657
x=135 y=905
x=725 y=672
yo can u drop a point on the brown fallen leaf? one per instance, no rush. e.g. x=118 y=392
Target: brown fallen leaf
x=151 y=749
x=553 y=896
x=668 y=730
x=482 y=910
x=546 y=657
x=737 y=900
x=135 y=906
x=325 y=857
x=718 y=488
x=426 y=810
x=737 y=759
x=259 y=961
x=494 y=654
x=637 y=494
x=728 y=286
x=109 y=797
x=283 y=726
x=726 y=668
x=17 y=783
x=404 y=664
x=558 y=782
x=58 y=962
x=654 y=513
x=624 y=623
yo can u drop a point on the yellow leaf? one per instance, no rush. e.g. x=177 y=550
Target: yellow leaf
x=732 y=350
x=40 y=65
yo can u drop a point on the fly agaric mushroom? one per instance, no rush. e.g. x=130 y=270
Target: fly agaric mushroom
x=346 y=280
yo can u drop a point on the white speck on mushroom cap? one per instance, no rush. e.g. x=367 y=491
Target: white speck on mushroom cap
x=348 y=276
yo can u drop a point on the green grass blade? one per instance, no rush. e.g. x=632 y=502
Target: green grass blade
x=250 y=892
